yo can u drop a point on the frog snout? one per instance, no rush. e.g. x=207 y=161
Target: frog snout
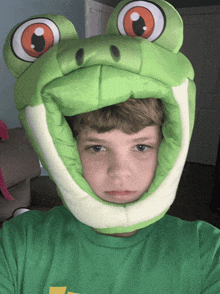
x=113 y=51
x=122 y=52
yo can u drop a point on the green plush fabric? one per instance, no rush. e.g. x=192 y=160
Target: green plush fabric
x=73 y=76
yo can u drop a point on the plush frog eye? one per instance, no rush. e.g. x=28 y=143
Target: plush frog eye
x=156 y=21
x=141 y=19
x=33 y=38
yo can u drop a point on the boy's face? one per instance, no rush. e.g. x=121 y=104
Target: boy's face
x=114 y=161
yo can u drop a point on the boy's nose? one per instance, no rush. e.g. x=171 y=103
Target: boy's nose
x=119 y=167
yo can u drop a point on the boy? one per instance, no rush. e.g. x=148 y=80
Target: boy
x=114 y=165
x=117 y=172
x=118 y=153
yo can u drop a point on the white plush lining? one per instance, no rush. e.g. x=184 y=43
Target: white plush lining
x=92 y=212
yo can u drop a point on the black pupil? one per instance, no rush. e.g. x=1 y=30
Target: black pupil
x=138 y=27
x=141 y=147
x=97 y=147
x=38 y=42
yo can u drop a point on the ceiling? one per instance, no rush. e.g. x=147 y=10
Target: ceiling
x=175 y=3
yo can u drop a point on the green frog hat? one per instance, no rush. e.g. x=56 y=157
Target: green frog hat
x=60 y=75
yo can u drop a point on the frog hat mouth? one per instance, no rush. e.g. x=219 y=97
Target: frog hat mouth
x=60 y=75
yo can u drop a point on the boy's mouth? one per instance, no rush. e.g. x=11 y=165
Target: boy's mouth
x=114 y=193
x=120 y=194
x=124 y=196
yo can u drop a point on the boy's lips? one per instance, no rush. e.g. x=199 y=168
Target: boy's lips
x=121 y=195
x=119 y=192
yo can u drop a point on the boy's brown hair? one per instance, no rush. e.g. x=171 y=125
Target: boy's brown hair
x=129 y=117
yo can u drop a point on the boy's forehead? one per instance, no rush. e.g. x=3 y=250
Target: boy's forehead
x=150 y=133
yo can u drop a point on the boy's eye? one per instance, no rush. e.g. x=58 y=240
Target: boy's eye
x=95 y=148
x=142 y=147
x=98 y=148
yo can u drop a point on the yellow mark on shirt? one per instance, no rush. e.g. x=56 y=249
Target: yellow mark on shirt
x=60 y=290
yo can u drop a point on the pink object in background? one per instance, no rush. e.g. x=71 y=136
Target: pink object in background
x=3 y=130
x=3 y=187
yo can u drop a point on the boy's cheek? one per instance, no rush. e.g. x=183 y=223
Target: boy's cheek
x=91 y=167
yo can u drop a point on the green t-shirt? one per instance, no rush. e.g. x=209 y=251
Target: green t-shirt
x=54 y=253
